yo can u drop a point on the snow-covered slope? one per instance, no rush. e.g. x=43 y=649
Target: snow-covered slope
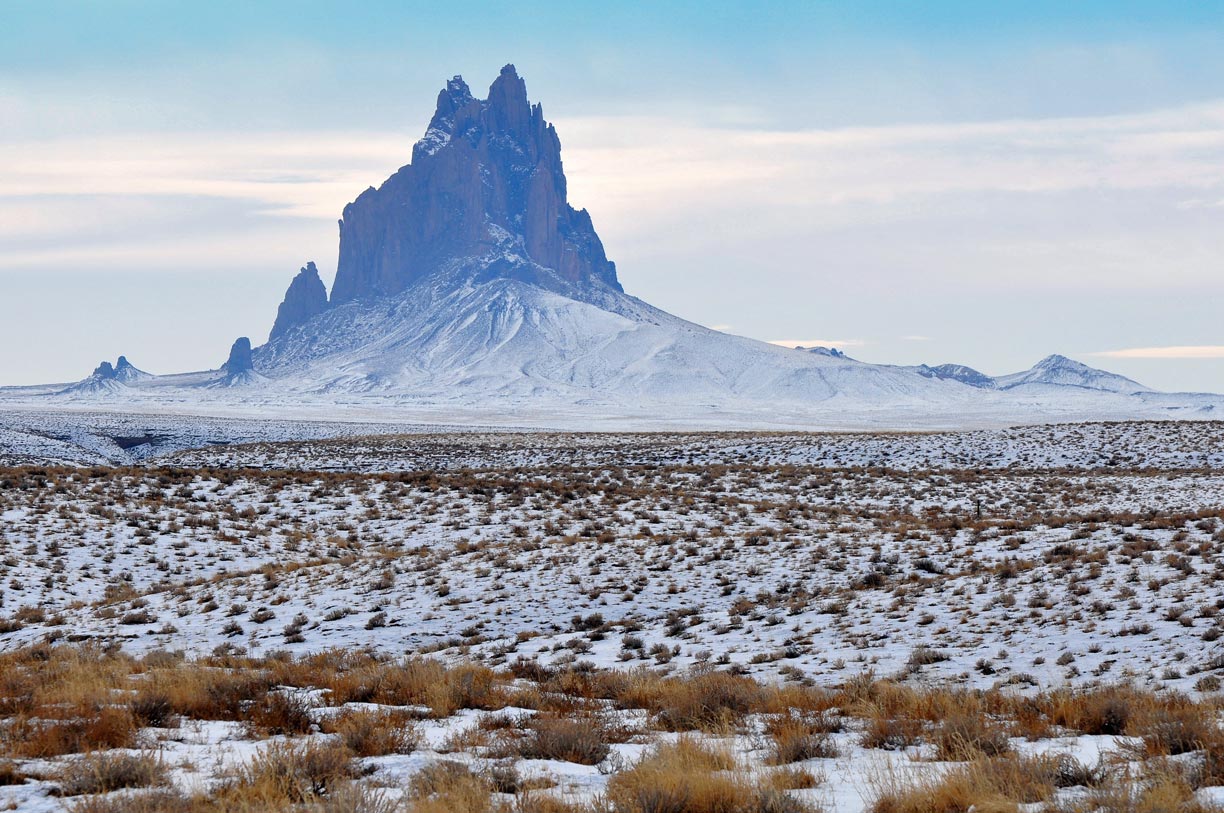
x=506 y=338
x=1063 y=372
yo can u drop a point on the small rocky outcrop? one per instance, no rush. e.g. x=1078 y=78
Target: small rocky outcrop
x=104 y=372
x=305 y=298
x=958 y=372
x=239 y=360
x=104 y=380
x=127 y=372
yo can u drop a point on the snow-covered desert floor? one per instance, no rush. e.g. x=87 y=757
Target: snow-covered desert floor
x=1011 y=563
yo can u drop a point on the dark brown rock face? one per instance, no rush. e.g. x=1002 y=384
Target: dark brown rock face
x=484 y=197
x=306 y=297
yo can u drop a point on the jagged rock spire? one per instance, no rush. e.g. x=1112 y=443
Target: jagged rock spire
x=484 y=197
x=306 y=297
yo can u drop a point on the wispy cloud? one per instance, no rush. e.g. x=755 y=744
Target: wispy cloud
x=662 y=187
x=1198 y=351
x=1177 y=147
x=297 y=174
x=836 y=343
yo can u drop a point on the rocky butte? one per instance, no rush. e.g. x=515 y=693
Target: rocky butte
x=483 y=198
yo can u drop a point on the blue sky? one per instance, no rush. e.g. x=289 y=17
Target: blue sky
x=984 y=183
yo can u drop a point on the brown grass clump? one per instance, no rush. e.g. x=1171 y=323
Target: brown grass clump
x=349 y=797
x=1180 y=729
x=986 y=785
x=796 y=738
x=963 y=737
x=157 y=801
x=1101 y=711
x=416 y=682
x=374 y=733
x=289 y=773
x=449 y=787
x=202 y=692
x=1155 y=791
x=154 y=709
x=569 y=740
x=714 y=702
x=104 y=772
x=794 y=779
x=686 y=777
x=87 y=730
x=891 y=733
x=279 y=714
x=547 y=803
x=10 y=774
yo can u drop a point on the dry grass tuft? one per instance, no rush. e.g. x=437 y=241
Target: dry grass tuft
x=289 y=773
x=714 y=702
x=687 y=777
x=963 y=737
x=449 y=787
x=374 y=733
x=583 y=739
x=996 y=785
x=10 y=774
x=797 y=737
x=279 y=714
x=104 y=772
x=85 y=730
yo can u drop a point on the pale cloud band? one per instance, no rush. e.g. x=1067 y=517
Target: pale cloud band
x=662 y=187
x=836 y=343
x=1199 y=351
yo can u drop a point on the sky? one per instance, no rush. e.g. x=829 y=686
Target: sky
x=980 y=183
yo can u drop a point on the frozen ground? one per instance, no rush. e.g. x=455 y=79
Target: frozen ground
x=89 y=436
x=1034 y=556
x=1017 y=560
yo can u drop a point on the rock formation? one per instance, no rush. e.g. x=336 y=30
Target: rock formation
x=467 y=280
x=127 y=372
x=483 y=198
x=239 y=360
x=958 y=372
x=305 y=298
x=104 y=372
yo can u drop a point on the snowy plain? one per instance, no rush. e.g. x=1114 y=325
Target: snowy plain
x=1020 y=559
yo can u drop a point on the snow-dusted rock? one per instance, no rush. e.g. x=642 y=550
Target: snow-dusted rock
x=305 y=298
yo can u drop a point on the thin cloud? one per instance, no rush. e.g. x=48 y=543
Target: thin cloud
x=838 y=343
x=1193 y=351
x=647 y=180
x=916 y=338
